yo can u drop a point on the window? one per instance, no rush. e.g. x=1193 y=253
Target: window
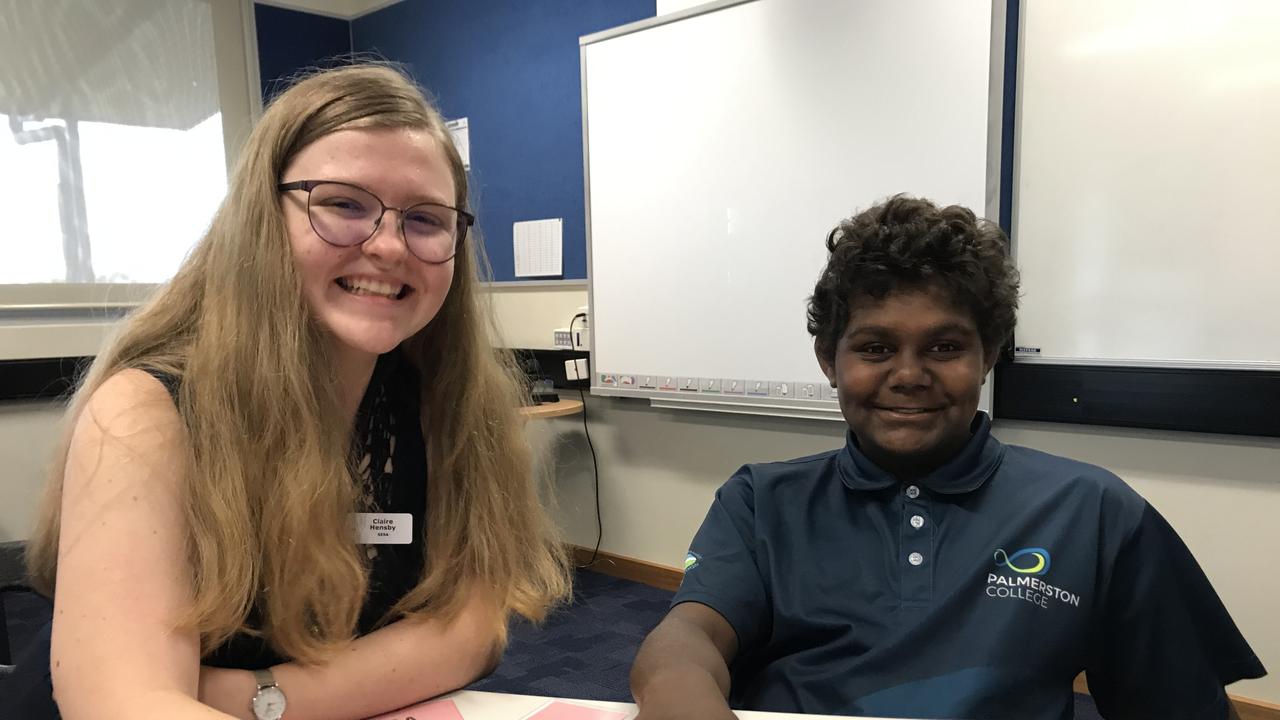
x=114 y=120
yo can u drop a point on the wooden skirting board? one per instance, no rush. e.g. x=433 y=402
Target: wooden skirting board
x=652 y=574
x=668 y=578
x=1247 y=708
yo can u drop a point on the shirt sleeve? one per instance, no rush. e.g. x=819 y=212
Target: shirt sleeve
x=1165 y=646
x=721 y=571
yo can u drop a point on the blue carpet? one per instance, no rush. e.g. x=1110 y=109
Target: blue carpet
x=583 y=650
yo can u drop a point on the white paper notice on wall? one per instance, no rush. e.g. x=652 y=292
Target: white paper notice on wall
x=538 y=246
x=461 y=139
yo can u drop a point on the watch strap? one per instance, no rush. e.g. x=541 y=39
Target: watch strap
x=264 y=678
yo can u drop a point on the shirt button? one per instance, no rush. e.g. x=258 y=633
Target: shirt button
x=917 y=522
x=915 y=558
x=913 y=492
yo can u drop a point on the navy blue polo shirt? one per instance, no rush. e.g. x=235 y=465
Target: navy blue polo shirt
x=980 y=591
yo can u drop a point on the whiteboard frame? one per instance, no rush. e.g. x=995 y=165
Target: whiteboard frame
x=1201 y=399
x=1014 y=202
x=778 y=407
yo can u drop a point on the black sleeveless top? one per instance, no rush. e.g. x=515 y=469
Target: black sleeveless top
x=388 y=439
x=392 y=465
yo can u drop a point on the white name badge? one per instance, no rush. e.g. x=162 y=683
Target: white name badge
x=383 y=528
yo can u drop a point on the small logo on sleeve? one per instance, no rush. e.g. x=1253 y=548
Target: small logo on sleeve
x=1028 y=565
x=691 y=560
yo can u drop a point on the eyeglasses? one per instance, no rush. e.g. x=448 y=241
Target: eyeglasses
x=346 y=215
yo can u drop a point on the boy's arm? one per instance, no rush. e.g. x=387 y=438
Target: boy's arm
x=682 y=669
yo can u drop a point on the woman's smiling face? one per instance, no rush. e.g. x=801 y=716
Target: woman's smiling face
x=372 y=296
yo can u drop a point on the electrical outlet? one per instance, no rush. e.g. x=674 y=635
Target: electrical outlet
x=576 y=369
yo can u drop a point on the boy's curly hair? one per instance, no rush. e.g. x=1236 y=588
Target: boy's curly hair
x=907 y=243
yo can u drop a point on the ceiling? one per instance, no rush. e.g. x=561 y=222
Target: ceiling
x=345 y=9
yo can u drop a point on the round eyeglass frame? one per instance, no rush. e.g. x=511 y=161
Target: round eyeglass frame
x=465 y=219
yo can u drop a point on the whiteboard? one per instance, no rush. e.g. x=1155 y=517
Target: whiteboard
x=1146 y=223
x=722 y=147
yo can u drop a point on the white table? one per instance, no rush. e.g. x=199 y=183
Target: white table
x=475 y=705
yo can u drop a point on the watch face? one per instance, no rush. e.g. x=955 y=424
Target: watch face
x=268 y=704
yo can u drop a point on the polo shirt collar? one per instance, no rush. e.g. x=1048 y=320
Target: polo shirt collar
x=976 y=462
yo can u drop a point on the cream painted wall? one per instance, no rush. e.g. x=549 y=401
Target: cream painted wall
x=28 y=431
x=660 y=468
x=527 y=315
x=1222 y=494
x=341 y=9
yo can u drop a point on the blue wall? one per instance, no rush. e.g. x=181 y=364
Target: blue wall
x=512 y=69
x=289 y=41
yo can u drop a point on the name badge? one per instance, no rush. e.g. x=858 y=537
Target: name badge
x=383 y=528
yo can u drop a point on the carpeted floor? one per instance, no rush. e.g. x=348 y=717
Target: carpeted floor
x=583 y=650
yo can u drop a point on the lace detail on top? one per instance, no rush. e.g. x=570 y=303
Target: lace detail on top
x=392 y=472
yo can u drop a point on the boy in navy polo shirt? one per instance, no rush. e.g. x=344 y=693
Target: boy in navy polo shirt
x=927 y=570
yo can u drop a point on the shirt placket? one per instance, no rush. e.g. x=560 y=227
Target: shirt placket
x=917 y=549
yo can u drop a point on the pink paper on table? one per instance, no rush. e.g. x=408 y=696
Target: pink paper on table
x=430 y=710
x=559 y=710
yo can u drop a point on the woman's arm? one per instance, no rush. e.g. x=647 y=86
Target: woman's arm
x=398 y=665
x=123 y=578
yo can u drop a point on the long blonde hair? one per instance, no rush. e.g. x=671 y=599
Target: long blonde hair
x=269 y=481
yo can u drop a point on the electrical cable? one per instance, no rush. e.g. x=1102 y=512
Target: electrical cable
x=595 y=466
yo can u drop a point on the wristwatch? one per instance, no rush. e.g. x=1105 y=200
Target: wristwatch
x=268 y=703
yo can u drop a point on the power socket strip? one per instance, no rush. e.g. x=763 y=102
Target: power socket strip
x=579 y=340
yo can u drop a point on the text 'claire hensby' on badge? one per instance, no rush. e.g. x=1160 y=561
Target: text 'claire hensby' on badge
x=383 y=528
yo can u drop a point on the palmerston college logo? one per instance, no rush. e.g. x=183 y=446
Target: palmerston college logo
x=1018 y=576
x=691 y=560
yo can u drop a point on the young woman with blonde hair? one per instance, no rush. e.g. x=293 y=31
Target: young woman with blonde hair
x=320 y=361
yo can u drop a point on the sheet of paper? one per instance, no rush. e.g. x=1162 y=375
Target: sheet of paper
x=430 y=710
x=561 y=710
x=461 y=132
x=539 y=247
